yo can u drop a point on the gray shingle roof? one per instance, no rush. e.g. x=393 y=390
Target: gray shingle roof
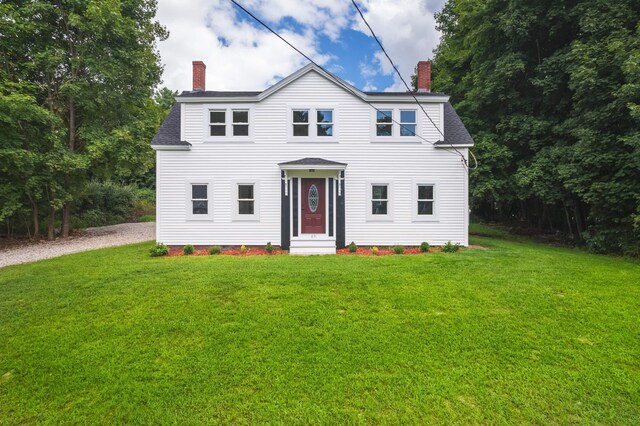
x=311 y=162
x=454 y=130
x=404 y=94
x=216 y=94
x=169 y=132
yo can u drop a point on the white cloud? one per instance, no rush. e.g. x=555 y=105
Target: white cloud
x=240 y=56
x=406 y=29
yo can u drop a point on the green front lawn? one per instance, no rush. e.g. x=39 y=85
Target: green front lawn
x=519 y=333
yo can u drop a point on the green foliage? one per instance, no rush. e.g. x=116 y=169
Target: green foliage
x=424 y=246
x=105 y=203
x=188 y=249
x=215 y=250
x=550 y=90
x=159 y=250
x=77 y=80
x=352 y=247
x=398 y=249
x=269 y=247
x=147 y=218
x=449 y=247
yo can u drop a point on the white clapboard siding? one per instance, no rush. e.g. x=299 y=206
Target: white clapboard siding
x=222 y=163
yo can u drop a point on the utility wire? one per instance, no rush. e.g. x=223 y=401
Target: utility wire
x=343 y=85
x=375 y=37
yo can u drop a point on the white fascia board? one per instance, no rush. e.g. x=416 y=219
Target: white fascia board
x=171 y=147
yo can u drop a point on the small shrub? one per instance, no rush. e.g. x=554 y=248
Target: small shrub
x=215 y=250
x=188 y=249
x=374 y=250
x=243 y=249
x=424 y=246
x=450 y=248
x=398 y=249
x=352 y=247
x=269 y=247
x=159 y=250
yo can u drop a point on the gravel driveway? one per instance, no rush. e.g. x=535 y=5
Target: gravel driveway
x=93 y=238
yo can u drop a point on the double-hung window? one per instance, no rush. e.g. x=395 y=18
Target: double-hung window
x=246 y=200
x=300 y=122
x=199 y=199
x=408 y=122
x=425 y=200
x=379 y=200
x=217 y=123
x=240 y=122
x=324 y=122
x=384 y=123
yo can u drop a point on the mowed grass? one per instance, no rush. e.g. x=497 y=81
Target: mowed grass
x=518 y=333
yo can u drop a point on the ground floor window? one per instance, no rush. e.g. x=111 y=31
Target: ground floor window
x=199 y=199
x=425 y=200
x=379 y=199
x=246 y=200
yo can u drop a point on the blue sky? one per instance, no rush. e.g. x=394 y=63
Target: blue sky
x=241 y=55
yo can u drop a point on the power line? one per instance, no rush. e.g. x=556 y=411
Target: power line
x=341 y=84
x=375 y=37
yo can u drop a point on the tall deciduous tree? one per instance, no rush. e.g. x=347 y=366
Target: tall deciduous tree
x=94 y=65
x=550 y=90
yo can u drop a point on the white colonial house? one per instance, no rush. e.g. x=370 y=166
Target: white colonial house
x=311 y=164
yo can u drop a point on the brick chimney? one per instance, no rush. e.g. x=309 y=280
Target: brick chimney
x=424 y=76
x=199 y=76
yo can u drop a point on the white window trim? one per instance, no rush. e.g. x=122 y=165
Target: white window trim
x=395 y=125
x=228 y=108
x=237 y=217
x=390 y=190
x=189 y=205
x=435 y=217
x=313 y=123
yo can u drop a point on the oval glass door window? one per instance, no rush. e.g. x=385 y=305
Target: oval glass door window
x=313 y=198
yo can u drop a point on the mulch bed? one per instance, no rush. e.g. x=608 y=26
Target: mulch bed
x=232 y=251
x=384 y=251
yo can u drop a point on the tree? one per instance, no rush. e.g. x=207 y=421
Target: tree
x=94 y=65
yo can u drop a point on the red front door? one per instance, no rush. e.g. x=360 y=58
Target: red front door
x=312 y=206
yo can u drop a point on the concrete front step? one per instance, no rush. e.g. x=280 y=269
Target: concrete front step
x=311 y=246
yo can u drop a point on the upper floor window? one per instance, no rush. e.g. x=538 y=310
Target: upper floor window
x=229 y=123
x=217 y=123
x=240 y=122
x=384 y=123
x=325 y=122
x=300 y=122
x=408 y=122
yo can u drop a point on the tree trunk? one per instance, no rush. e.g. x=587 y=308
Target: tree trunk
x=66 y=219
x=51 y=228
x=66 y=209
x=579 y=217
x=36 y=221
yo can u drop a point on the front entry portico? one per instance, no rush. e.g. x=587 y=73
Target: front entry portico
x=312 y=213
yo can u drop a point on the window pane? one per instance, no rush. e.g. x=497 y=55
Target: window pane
x=245 y=207
x=407 y=116
x=325 y=116
x=384 y=116
x=200 y=207
x=300 y=116
x=379 y=192
x=218 y=130
x=240 y=116
x=300 y=130
x=240 y=130
x=425 y=207
x=325 y=129
x=425 y=192
x=408 y=130
x=216 y=116
x=245 y=191
x=378 y=207
x=383 y=130
x=199 y=191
